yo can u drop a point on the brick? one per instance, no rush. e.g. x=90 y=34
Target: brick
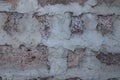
x=11 y=24
x=109 y=58
x=76 y=25
x=74 y=57
x=13 y=2
x=109 y=2
x=24 y=57
x=105 y=24
x=45 y=25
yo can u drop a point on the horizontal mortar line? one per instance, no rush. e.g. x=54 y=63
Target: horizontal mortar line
x=93 y=13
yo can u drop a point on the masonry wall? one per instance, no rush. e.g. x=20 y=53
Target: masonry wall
x=59 y=40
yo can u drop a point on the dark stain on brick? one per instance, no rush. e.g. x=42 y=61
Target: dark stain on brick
x=33 y=79
x=28 y=50
x=42 y=48
x=109 y=58
x=33 y=57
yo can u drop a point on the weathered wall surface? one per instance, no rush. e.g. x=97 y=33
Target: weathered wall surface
x=59 y=40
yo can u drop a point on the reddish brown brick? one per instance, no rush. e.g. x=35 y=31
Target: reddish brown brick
x=11 y=24
x=24 y=57
x=45 y=25
x=74 y=57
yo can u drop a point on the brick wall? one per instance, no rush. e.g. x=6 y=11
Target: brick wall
x=59 y=40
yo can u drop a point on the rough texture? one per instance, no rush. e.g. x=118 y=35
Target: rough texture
x=11 y=24
x=44 y=25
x=23 y=57
x=105 y=24
x=76 y=25
x=109 y=58
x=74 y=57
x=59 y=39
x=13 y=2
